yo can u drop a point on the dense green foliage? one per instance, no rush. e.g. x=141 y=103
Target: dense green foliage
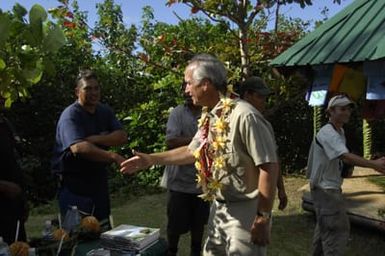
x=25 y=50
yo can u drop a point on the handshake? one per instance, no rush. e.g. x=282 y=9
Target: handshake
x=379 y=158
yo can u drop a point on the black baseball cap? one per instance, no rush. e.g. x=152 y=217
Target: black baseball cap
x=256 y=84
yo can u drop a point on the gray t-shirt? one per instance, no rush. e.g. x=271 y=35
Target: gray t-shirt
x=324 y=164
x=182 y=123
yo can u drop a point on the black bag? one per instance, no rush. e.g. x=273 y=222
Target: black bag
x=346 y=170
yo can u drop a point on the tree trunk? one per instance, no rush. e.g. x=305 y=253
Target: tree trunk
x=277 y=17
x=244 y=50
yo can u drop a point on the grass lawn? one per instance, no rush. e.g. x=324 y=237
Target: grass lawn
x=379 y=180
x=291 y=235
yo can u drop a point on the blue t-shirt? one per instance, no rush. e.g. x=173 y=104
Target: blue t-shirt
x=74 y=125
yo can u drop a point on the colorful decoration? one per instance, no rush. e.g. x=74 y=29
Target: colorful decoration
x=210 y=156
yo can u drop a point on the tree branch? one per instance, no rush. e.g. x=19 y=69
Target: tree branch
x=235 y=34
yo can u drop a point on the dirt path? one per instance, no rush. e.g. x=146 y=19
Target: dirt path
x=363 y=198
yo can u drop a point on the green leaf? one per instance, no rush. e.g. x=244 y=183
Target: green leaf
x=165 y=82
x=57 y=12
x=37 y=14
x=17 y=28
x=8 y=102
x=33 y=75
x=54 y=39
x=2 y=64
x=10 y=96
x=5 y=26
x=5 y=79
x=23 y=92
x=30 y=38
x=19 y=11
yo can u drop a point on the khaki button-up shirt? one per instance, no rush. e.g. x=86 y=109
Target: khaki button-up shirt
x=250 y=143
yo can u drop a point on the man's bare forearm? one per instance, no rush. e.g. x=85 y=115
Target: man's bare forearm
x=268 y=176
x=280 y=184
x=177 y=156
x=92 y=152
x=115 y=138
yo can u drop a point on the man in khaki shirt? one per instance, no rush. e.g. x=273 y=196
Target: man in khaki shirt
x=242 y=179
x=255 y=91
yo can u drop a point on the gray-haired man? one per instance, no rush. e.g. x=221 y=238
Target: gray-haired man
x=235 y=154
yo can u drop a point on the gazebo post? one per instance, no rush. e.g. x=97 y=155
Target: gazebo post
x=367 y=138
x=317 y=119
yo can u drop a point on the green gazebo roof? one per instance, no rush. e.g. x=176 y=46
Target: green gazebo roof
x=355 y=34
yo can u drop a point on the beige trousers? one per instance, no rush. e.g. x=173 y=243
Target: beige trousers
x=332 y=228
x=229 y=230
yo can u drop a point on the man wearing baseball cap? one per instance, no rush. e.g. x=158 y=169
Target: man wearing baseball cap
x=255 y=91
x=327 y=158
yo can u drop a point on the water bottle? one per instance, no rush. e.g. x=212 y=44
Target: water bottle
x=47 y=233
x=32 y=252
x=71 y=220
x=4 y=249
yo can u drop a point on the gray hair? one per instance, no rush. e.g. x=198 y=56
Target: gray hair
x=206 y=66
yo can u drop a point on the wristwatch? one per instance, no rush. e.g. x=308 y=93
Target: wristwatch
x=265 y=215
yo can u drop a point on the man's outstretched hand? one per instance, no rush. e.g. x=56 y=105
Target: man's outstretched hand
x=136 y=163
x=380 y=163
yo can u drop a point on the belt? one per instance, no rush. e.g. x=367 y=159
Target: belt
x=327 y=189
x=220 y=201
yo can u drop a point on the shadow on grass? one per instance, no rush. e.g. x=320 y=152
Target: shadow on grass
x=363 y=192
x=374 y=175
x=292 y=236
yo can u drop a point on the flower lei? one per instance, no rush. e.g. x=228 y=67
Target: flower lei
x=210 y=156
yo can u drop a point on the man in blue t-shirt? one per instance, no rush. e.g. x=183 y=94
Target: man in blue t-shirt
x=85 y=131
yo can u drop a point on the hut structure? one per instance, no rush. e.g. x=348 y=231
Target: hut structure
x=346 y=54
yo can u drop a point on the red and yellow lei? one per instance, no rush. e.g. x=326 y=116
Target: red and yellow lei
x=210 y=156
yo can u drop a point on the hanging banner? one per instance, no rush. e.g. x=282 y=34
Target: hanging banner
x=348 y=80
x=319 y=89
x=337 y=77
x=375 y=73
x=353 y=83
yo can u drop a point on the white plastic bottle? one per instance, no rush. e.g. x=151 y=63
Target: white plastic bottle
x=72 y=220
x=4 y=249
x=32 y=252
x=47 y=232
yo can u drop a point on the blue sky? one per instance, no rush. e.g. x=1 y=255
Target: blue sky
x=132 y=9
